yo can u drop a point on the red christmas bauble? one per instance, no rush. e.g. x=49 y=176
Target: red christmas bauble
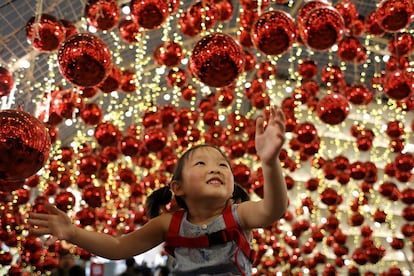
x=102 y=14
x=6 y=82
x=394 y=15
x=149 y=14
x=45 y=33
x=107 y=134
x=359 y=94
x=217 y=60
x=333 y=109
x=399 y=84
x=155 y=139
x=24 y=147
x=307 y=69
x=401 y=44
x=129 y=31
x=371 y=25
x=274 y=32
x=322 y=28
x=168 y=53
x=65 y=201
x=91 y=114
x=350 y=49
x=84 y=60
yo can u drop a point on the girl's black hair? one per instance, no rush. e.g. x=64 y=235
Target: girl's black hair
x=162 y=196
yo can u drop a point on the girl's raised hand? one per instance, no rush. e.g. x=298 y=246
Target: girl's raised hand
x=57 y=224
x=270 y=138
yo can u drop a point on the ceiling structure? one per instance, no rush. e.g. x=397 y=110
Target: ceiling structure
x=37 y=75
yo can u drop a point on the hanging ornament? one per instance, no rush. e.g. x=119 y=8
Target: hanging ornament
x=169 y=53
x=45 y=33
x=401 y=44
x=333 y=109
x=25 y=145
x=322 y=28
x=274 y=32
x=217 y=60
x=149 y=14
x=398 y=84
x=84 y=60
x=6 y=82
x=129 y=31
x=102 y=14
x=394 y=15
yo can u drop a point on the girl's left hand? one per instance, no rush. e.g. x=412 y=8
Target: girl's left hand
x=270 y=138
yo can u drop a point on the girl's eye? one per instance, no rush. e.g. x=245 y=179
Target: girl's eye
x=223 y=164
x=200 y=163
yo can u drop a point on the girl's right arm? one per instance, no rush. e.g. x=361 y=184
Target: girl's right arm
x=59 y=225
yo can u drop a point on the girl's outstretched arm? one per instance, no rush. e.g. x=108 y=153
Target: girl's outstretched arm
x=269 y=141
x=59 y=226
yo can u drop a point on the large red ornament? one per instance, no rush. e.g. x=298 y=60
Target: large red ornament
x=321 y=28
x=102 y=14
x=333 y=109
x=348 y=11
x=394 y=15
x=168 y=53
x=107 y=134
x=45 y=33
x=6 y=82
x=274 y=32
x=84 y=60
x=217 y=60
x=24 y=147
x=65 y=201
x=149 y=14
x=399 y=84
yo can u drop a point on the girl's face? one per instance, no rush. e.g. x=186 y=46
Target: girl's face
x=207 y=175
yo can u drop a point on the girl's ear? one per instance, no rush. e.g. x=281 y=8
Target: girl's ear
x=176 y=188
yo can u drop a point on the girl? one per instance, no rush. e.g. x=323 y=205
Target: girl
x=209 y=235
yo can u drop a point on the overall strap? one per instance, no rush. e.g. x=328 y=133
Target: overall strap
x=232 y=232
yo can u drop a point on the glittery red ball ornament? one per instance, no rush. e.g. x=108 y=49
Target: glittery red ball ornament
x=306 y=132
x=333 y=109
x=102 y=14
x=6 y=82
x=84 y=60
x=65 y=201
x=274 y=32
x=348 y=11
x=155 y=139
x=399 y=84
x=330 y=197
x=307 y=7
x=322 y=28
x=359 y=94
x=168 y=53
x=401 y=44
x=350 y=49
x=404 y=162
x=217 y=60
x=45 y=33
x=129 y=81
x=307 y=69
x=394 y=15
x=407 y=196
x=149 y=14
x=107 y=134
x=371 y=25
x=129 y=31
x=91 y=114
x=24 y=147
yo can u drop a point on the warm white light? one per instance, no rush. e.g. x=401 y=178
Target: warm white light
x=126 y=10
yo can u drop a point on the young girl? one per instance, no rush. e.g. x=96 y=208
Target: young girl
x=209 y=235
